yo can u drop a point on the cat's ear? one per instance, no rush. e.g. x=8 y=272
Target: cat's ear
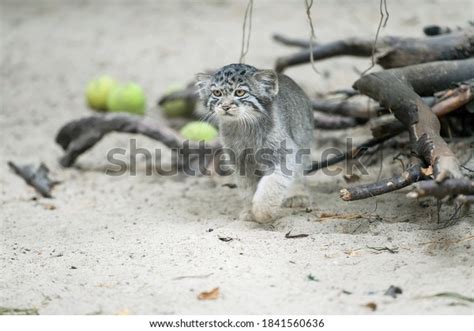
x=269 y=80
x=202 y=83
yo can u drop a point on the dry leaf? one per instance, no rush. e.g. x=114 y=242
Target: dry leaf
x=48 y=206
x=372 y=306
x=211 y=295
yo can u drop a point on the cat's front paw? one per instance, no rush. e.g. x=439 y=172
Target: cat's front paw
x=265 y=215
x=246 y=215
x=296 y=201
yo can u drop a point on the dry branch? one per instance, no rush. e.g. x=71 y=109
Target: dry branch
x=449 y=101
x=37 y=178
x=465 y=199
x=445 y=102
x=434 y=30
x=397 y=89
x=449 y=187
x=335 y=122
x=347 y=92
x=391 y=52
x=362 y=110
x=303 y=43
x=413 y=174
x=350 y=154
x=78 y=136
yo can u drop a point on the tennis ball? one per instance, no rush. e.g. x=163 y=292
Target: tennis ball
x=127 y=98
x=179 y=107
x=198 y=131
x=98 y=91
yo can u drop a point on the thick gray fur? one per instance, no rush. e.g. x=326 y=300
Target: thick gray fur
x=273 y=111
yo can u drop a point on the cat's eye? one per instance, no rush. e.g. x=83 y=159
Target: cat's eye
x=217 y=93
x=240 y=92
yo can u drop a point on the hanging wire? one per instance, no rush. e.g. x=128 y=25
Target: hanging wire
x=384 y=15
x=312 y=38
x=246 y=36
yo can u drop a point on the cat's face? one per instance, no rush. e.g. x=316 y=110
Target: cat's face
x=238 y=92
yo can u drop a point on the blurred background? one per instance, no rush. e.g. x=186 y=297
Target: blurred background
x=50 y=50
x=129 y=237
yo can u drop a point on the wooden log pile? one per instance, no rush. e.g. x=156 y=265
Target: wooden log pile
x=426 y=85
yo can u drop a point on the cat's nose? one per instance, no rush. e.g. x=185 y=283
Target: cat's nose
x=225 y=107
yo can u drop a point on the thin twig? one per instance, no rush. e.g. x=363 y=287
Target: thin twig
x=309 y=4
x=382 y=23
x=288 y=235
x=246 y=39
x=193 y=276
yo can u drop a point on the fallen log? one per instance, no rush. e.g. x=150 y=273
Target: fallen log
x=391 y=52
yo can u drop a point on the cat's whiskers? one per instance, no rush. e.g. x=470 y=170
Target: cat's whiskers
x=209 y=117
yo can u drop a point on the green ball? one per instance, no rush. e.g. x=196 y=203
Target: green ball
x=177 y=108
x=98 y=91
x=198 y=131
x=127 y=98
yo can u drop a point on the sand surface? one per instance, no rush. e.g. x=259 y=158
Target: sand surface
x=122 y=244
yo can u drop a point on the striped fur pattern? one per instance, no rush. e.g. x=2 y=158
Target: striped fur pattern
x=260 y=110
x=258 y=89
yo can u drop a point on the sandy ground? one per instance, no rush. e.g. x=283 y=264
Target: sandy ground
x=113 y=245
